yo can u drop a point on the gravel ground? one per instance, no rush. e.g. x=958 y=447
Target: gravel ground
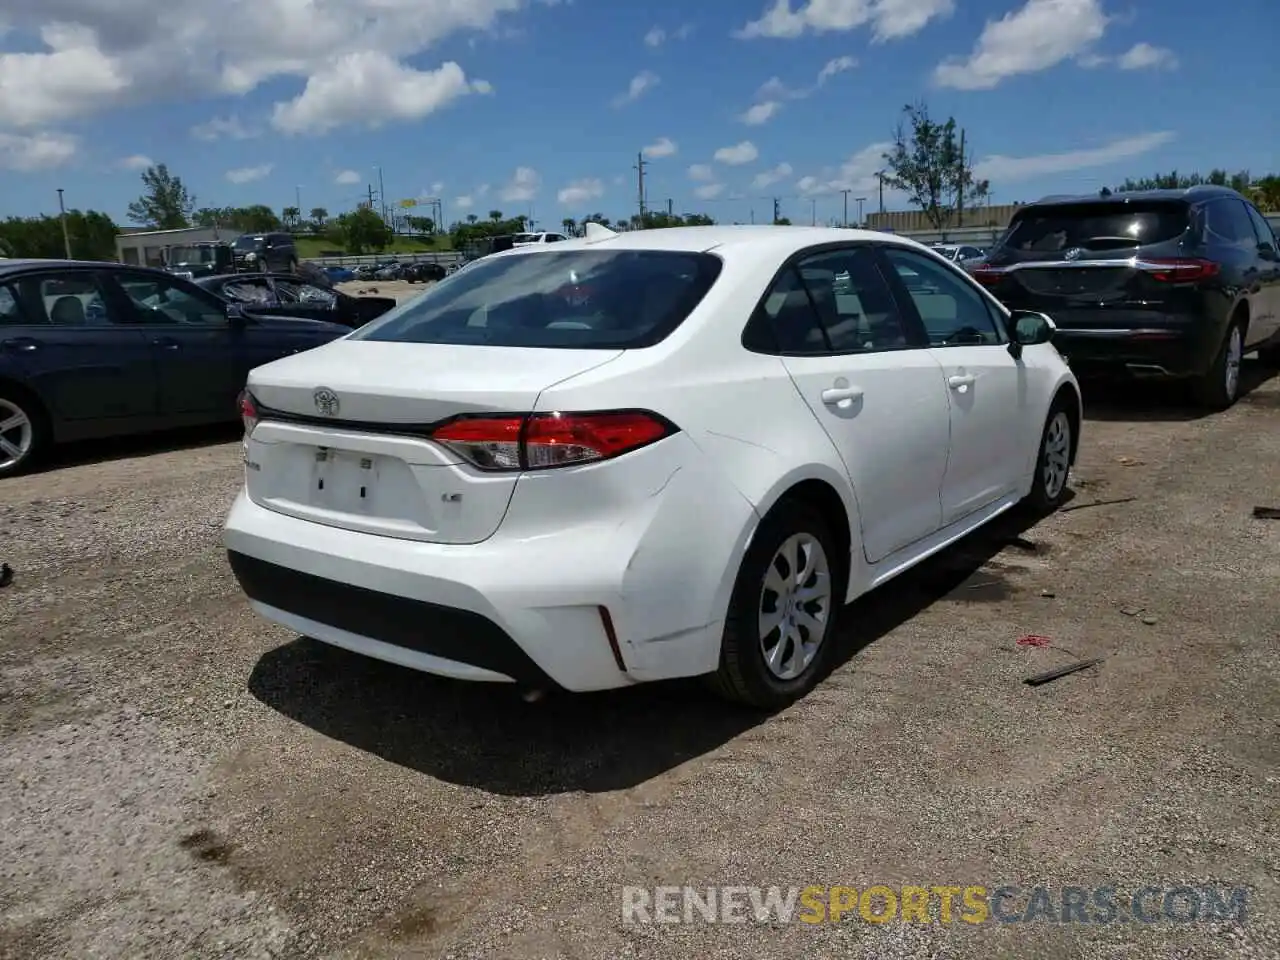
x=181 y=779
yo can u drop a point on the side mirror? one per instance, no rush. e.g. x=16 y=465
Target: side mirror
x=1028 y=329
x=1266 y=251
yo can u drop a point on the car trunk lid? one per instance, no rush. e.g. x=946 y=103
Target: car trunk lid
x=337 y=445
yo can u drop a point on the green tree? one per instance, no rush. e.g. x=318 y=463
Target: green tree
x=927 y=163
x=165 y=203
x=495 y=216
x=92 y=235
x=291 y=216
x=318 y=217
x=362 y=230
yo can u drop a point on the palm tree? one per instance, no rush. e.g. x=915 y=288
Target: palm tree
x=570 y=226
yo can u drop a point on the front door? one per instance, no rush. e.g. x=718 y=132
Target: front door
x=987 y=387
x=877 y=393
x=73 y=346
x=193 y=345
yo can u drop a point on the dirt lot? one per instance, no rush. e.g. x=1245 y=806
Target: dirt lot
x=180 y=779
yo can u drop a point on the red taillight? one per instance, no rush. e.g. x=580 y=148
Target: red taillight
x=985 y=274
x=1179 y=270
x=542 y=440
x=248 y=412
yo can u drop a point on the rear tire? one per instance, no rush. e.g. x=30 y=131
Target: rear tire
x=778 y=636
x=24 y=432
x=1053 y=462
x=1219 y=387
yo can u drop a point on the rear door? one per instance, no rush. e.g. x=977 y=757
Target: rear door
x=1266 y=324
x=991 y=415
x=192 y=344
x=76 y=349
x=866 y=377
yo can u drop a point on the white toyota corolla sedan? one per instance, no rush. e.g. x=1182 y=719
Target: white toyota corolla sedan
x=632 y=457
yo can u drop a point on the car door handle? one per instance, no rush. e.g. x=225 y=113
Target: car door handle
x=961 y=380
x=21 y=344
x=167 y=342
x=841 y=394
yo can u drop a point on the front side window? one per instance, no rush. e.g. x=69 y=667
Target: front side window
x=586 y=299
x=953 y=312
x=160 y=300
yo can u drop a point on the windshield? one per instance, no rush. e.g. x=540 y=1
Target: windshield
x=250 y=243
x=191 y=255
x=1095 y=226
x=585 y=299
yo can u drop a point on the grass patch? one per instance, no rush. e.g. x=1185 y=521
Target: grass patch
x=310 y=247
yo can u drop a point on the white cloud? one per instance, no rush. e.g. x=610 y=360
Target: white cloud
x=1143 y=56
x=1001 y=169
x=657 y=36
x=889 y=19
x=347 y=177
x=137 y=162
x=662 y=147
x=483 y=190
x=701 y=171
x=522 y=187
x=250 y=174
x=26 y=153
x=580 y=191
x=96 y=55
x=709 y=191
x=760 y=113
x=437 y=188
x=642 y=82
x=738 y=154
x=768 y=178
x=370 y=88
x=858 y=174
x=773 y=92
x=1040 y=35
x=464 y=202
x=220 y=128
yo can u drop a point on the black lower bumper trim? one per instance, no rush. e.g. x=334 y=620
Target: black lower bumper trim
x=459 y=635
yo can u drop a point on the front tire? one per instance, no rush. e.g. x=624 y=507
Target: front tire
x=23 y=433
x=1219 y=387
x=778 y=636
x=1053 y=463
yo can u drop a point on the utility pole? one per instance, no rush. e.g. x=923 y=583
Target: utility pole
x=371 y=196
x=846 y=207
x=861 y=201
x=960 y=184
x=880 y=177
x=669 y=208
x=641 y=163
x=776 y=216
x=297 y=195
x=62 y=212
x=813 y=213
x=382 y=195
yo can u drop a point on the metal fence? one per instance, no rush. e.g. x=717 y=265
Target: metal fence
x=444 y=258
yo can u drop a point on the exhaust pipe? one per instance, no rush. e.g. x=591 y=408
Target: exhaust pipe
x=1147 y=370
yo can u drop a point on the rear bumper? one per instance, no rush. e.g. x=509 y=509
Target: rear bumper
x=525 y=605
x=1137 y=349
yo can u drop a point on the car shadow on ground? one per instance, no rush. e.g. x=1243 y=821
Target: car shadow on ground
x=1152 y=401
x=84 y=452
x=486 y=736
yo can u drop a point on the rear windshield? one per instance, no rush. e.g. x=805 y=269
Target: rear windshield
x=1095 y=226
x=585 y=299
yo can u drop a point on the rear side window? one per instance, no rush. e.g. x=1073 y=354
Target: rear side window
x=1095 y=226
x=1227 y=221
x=585 y=299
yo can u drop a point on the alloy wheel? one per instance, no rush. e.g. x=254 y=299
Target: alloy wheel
x=17 y=434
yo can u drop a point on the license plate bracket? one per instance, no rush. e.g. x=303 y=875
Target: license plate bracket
x=344 y=480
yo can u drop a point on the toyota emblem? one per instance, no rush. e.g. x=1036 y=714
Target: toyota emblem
x=326 y=402
x=1075 y=253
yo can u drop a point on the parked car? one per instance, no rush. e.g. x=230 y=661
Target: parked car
x=684 y=467
x=1173 y=284
x=265 y=252
x=520 y=239
x=423 y=271
x=959 y=253
x=201 y=259
x=388 y=270
x=285 y=295
x=339 y=274
x=104 y=349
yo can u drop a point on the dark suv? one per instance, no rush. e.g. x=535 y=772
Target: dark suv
x=1161 y=283
x=269 y=252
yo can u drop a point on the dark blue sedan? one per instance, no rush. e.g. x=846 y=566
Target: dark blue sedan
x=93 y=350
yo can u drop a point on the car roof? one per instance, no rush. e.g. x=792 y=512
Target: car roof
x=1189 y=194
x=10 y=267
x=725 y=239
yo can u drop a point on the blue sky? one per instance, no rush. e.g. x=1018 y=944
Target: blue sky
x=540 y=106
